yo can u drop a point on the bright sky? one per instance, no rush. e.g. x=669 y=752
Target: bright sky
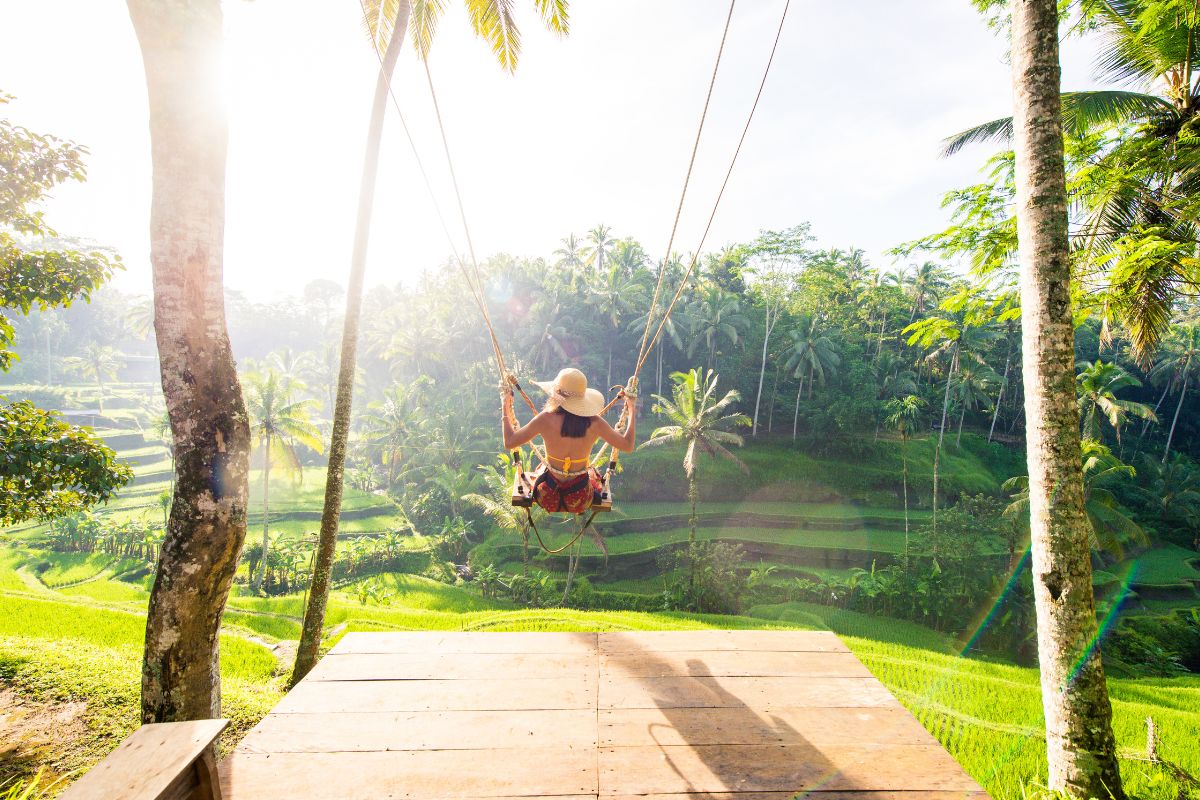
x=593 y=128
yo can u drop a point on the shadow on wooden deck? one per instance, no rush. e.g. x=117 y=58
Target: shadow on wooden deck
x=727 y=715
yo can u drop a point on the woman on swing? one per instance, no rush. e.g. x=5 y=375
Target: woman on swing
x=569 y=426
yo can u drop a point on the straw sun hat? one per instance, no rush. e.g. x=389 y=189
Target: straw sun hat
x=570 y=391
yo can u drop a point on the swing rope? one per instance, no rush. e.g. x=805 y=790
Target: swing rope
x=582 y=529
x=474 y=280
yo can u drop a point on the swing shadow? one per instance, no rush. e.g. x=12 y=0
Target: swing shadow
x=705 y=763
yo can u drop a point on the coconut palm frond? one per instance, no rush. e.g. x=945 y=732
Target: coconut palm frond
x=423 y=22
x=493 y=21
x=1133 y=51
x=554 y=14
x=379 y=21
x=1082 y=113
x=1085 y=112
x=737 y=462
x=998 y=131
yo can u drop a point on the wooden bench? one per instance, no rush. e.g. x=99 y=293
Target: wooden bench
x=163 y=761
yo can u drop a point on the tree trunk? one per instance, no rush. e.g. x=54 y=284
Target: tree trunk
x=810 y=381
x=266 y=536
x=658 y=389
x=211 y=433
x=1081 y=750
x=1175 y=420
x=962 y=414
x=100 y=391
x=1146 y=422
x=796 y=415
x=771 y=406
x=937 y=452
x=693 y=496
x=904 y=483
x=318 y=596
x=762 y=371
x=1000 y=396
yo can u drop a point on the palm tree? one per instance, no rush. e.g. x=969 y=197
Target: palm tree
x=778 y=255
x=1098 y=384
x=971 y=391
x=1136 y=179
x=1112 y=529
x=1178 y=365
x=139 y=318
x=551 y=345
x=387 y=22
x=497 y=505
x=613 y=294
x=950 y=340
x=811 y=356
x=924 y=286
x=570 y=255
x=892 y=380
x=389 y=424
x=699 y=423
x=1008 y=354
x=98 y=363
x=199 y=556
x=456 y=482
x=715 y=315
x=629 y=256
x=291 y=367
x=1172 y=490
x=671 y=332
x=1080 y=746
x=278 y=426
x=600 y=244
x=903 y=414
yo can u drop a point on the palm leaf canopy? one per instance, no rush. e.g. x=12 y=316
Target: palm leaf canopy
x=494 y=21
x=1082 y=113
x=699 y=421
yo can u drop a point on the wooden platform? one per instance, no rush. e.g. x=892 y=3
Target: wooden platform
x=726 y=715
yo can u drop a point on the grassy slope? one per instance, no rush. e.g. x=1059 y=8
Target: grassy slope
x=69 y=646
x=779 y=472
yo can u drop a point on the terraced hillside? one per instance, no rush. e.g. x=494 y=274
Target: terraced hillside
x=295 y=501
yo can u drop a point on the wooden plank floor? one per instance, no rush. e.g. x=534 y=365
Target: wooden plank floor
x=657 y=715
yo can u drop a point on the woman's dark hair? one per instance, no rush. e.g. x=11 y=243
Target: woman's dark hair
x=573 y=425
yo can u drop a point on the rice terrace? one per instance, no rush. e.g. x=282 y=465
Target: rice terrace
x=729 y=400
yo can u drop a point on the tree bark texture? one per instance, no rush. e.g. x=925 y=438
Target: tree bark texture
x=180 y=42
x=318 y=595
x=1079 y=741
